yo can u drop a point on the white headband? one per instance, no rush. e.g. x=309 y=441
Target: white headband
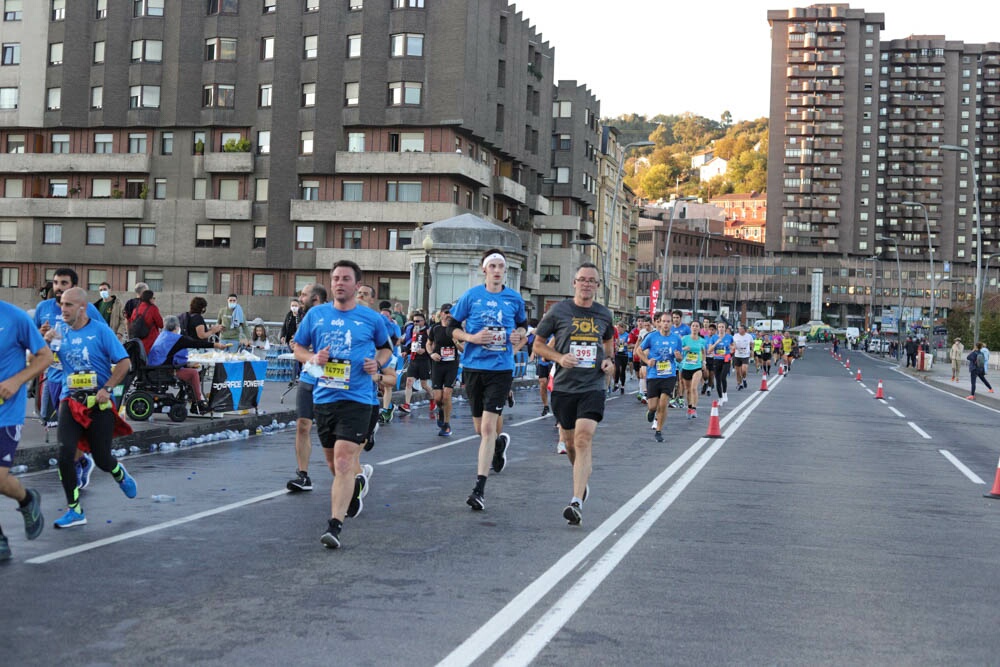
x=492 y=258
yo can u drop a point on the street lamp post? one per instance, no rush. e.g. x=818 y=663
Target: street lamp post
x=978 y=314
x=428 y=244
x=614 y=209
x=899 y=279
x=603 y=255
x=930 y=253
x=666 y=251
x=697 y=273
x=736 y=292
x=875 y=259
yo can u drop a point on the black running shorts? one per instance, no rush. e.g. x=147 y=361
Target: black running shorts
x=443 y=374
x=304 y=401
x=487 y=390
x=344 y=420
x=739 y=361
x=661 y=387
x=568 y=408
x=688 y=373
x=419 y=368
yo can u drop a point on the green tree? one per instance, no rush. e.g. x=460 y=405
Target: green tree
x=657 y=182
x=727 y=119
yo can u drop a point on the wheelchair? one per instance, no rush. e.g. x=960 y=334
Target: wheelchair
x=150 y=389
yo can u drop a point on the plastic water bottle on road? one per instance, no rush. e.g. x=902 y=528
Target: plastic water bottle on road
x=160 y=498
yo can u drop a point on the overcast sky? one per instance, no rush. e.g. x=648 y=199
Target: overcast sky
x=672 y=56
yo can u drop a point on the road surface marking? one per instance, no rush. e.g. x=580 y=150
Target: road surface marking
x=897 y=412
x=919 y=430
x=976 y=479
x=450 y=443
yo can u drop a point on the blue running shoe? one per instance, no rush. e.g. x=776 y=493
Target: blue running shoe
x=84 y=467
x=127 y=484
x=71 y=518
x=445 y=429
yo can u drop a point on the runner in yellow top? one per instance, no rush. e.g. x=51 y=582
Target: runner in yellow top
x=788 y=348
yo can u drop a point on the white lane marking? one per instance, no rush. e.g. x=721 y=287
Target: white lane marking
x=80 y=548
x=493 y=629
x=919 y=430
x=927 y=383
x=450 y=443
x=535 y=639
x=869 y=390
x=896 y=412
x=863 y=385
x=976 y=479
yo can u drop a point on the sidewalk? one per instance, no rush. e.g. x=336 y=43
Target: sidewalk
x=35 y=452
x=940 y=376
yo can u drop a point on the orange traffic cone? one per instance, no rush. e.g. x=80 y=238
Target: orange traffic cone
x=879 y=394
x=781 y=369
x=995 y=493
x=763 y=383
x=714 y=430
x=858 y=378
x=847 y=364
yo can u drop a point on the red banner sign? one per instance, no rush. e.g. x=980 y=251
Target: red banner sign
x=654 y=295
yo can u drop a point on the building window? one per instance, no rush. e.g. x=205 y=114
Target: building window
x=312 y=5
x=9 y=276
x=259 y=237
x=166 y=143
x=137 y=142
x=95 y=234
x=564 y=142
x=212 y=236
x=310 y=190
x=13 y=188
x=403 y=191
x=353 y=191
x=52 y=233
x=264 y=95
x=100 y=188
x=53 y=99
x=8 y=231
x=305 y=236
x=310 y=47
x=147 y=51
x=104 y=142
x=219 y=95
x=159 y=188
x=305 y=142
x=223 y=7
x=355 y=142
x=199 y=189
x=354 y=46
x=400 y=238
x=551 y=240
x=267 y=48
x=147 y=8
x=500 y=112
x=562 y=109
x=406 y=142
x=406 y=44
x=197 y=282
x=263 y=142
x=352 y=239
x=220 y=48
x=355 y=5
x=144 y=235
x=308 y=94
x=144 y=97
x=562 y=174
x=352 y=93
x=229 y=189
x=60 y=143
x=102 y=9
x=97 y=97
x=405 y=92
x=12 y=10
x=96 y=278
x=58 y=10
x=270 y=6
x=550 y=273
x=263 y=284
x=154 y=279
x=11 y=54
x=260 y=189
x=407 y=4
x=8 y=98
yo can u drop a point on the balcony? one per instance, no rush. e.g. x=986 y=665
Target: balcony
x=454 y=164
x=539 y=204
x=224 y=209
x=369 y=260
x=58 y=163
x=229 y=163
x=570 y=223
x=510 y=189
x=62 y=207
x=373 y=211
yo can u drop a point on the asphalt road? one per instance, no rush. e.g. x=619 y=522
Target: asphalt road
x=825 y=528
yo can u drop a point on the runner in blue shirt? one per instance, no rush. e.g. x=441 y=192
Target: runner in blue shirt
x=18 y=335
x=721 y=350
x=89 y=350
x=494 y=321
x=660 y=351
x=344 y=346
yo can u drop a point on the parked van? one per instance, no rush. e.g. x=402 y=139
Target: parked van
x=852 y=333
x=768 y=325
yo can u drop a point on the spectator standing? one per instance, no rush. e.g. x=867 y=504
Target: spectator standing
x=132 y=303
x=978 y=361
x=193 y=322
x=911 y=348
x=113 y=311
x=957 y=354
x=234 y=322
x=292 y=320
x=397 y=315
x=148 y=313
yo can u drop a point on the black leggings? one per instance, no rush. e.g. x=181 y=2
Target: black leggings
x=982 y=376
x=621 y=368
x=98 y=434
x=721 y=376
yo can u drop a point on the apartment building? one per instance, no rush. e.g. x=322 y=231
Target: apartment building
x=244 y=145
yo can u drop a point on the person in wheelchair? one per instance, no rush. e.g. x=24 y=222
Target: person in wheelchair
x=171 y=349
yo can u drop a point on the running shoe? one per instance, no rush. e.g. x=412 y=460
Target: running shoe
x=300 y=483
x=500 y=452
x=744 y=383
x=433 y=406
x=545 y=410
x=690 y=413
x=650 y=415
x=84 y=467
x=659 y=436
x=4 y=549
x=331 y=538
x=445 y=429
x=361 y=482
x=572 y=514
x=70 y=518
x=476 y=501
x=127 y=485
x=655 y=425
x=694 y=413
x=639 y=396
x=622 y=390
x=739 y=387
x=405 y=408
x=724 y=399
x=32 y=513
x=440 y=417
x=510 y=399
x=561 y=448
x=970 y=398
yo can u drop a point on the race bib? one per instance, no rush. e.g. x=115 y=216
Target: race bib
x=664 y=367
x=336 y=374
x=585 y=353
x=691 y=357
x=86 y=380
x=447 y=354
x=498 y=339
x=414 y=347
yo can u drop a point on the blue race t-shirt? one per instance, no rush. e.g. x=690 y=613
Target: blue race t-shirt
x=87 y=355
x=501 y=313
x=695 y=354
x=722 y=345
x=351 y=336
x=19 y=334
x=681 y=331
x=663 y=350
x=49 y=312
